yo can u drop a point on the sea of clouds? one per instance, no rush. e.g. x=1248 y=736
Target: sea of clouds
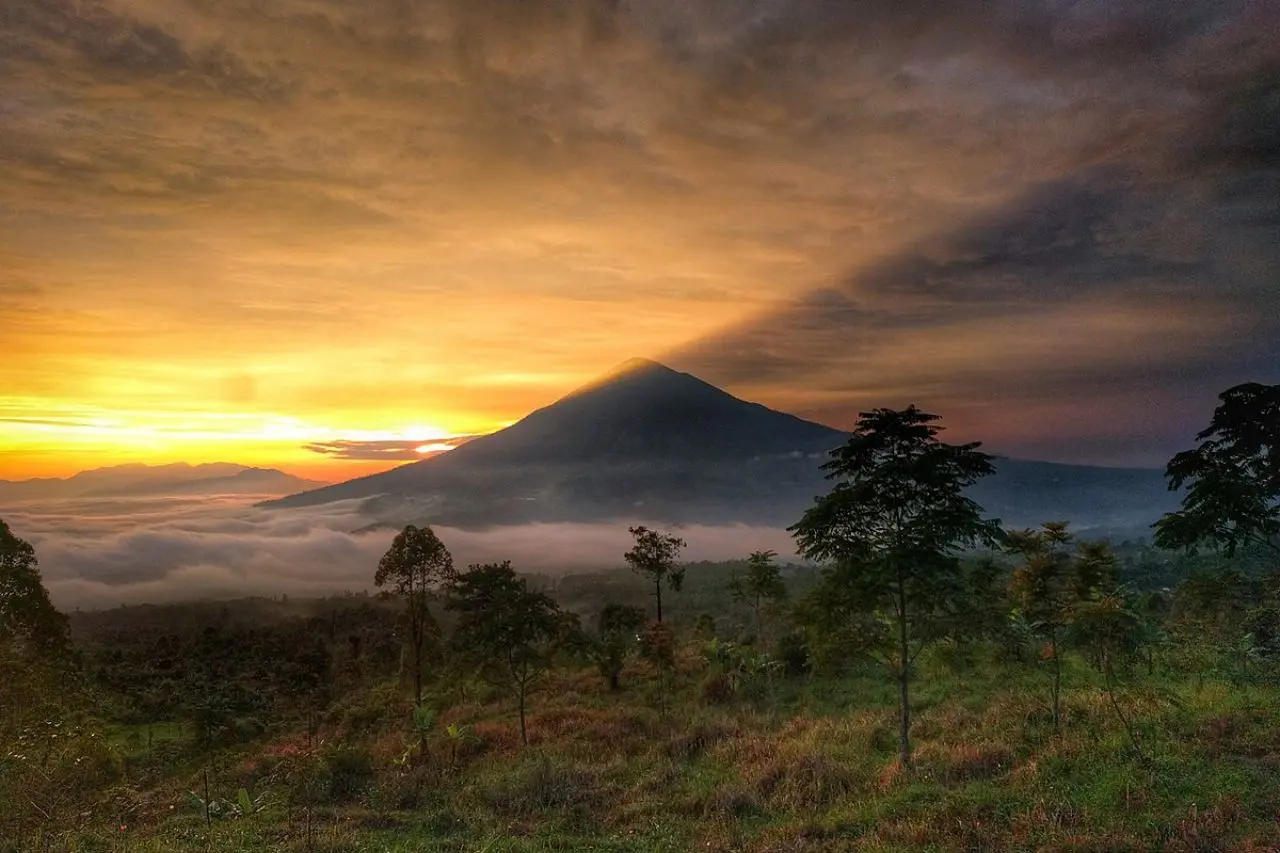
x=103 y=553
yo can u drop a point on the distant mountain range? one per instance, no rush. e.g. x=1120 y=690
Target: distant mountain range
x=178 y=479
x=647 y=442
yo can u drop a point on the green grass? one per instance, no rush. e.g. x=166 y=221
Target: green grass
x=811 y=769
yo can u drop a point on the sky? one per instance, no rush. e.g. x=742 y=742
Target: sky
x=323 y=234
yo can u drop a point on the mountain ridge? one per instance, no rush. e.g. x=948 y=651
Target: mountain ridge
x=140 y=480
x=649 y=442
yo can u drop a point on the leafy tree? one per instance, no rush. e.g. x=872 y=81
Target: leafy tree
x=1041 y=588
x=892 y=525
x=616 y=636
x=1232 y=477
x=28 y=620
x=1215 y=614
x=506 y=633
x=418 y=568
x=655 y=557
x=761 y=588
x=1095 y=570
x=1109 y=632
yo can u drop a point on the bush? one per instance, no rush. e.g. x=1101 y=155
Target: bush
x=716 y=689
x=793 y=652
x=350 y=772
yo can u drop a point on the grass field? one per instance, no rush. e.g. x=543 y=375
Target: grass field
x=807 y=766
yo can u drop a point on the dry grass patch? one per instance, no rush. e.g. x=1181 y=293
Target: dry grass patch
x=804 y=782
x=951 y=764
x=1103 y=843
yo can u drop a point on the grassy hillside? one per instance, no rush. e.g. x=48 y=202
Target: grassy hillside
x=803 y=763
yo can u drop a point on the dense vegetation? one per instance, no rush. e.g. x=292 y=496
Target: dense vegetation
x=927 y=682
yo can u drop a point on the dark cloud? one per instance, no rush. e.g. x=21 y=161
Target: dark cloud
x=1164 y=261
x=1017 y=203
x=123 y=47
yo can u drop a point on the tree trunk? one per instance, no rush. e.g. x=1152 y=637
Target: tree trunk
x=615 y=682
x=657 y=592
x=524 y=734
x=1109 y=680
x=904 y=717
x=417 y=670
x=904 y=674
x=1057 y=680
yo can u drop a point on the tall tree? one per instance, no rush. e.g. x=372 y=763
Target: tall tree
x=506 y=633
x=28 y=620
x=760 y=587
x=418 y=568
x=892 y=526
x=656 y=556
x=1232 y=477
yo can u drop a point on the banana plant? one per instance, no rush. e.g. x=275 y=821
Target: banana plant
x=244 y=805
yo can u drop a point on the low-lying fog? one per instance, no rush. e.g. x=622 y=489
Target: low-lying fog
x=103 y=553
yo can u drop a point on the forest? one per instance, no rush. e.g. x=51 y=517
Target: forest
x=919 y=678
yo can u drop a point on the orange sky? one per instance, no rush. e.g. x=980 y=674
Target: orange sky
x=233 y=230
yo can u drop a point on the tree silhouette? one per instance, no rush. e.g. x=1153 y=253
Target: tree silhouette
x=418 y=567
x=616 y=635
x=506 y=633
x=760 y=587
x=655 y=557
x=892 y=525
x=1041 y=589
x=1232 y=477
x=28 y=620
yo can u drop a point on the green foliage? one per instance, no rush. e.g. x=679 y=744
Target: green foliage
x=743 y=671
x=761 y=587
x=892 y=525
x=1232 y=477
x=1042 y=590
x=655 y=556
x=793 y=654
x=220 y=808
x=418 y=568
x=616 y=637
x=505 y=633
x=29 y=623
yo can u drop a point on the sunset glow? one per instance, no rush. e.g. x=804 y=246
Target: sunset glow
x=277 y=235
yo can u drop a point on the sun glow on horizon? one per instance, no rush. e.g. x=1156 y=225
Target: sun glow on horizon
x=68 y=440
x=434 y=447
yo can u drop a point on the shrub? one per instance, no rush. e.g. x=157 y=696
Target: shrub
x=350 y=772
x=793 y=652
x=716 y=689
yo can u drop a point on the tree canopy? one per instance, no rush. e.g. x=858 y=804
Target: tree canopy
x=418 y=568
x=1232 y=477
x=892 y=525
x=28 y=618
x=655 y=556
x=506 y=633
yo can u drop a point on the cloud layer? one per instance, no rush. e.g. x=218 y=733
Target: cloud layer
x=103 y=553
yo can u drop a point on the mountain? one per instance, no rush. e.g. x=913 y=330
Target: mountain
x=647 y=442
x=128 y=481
